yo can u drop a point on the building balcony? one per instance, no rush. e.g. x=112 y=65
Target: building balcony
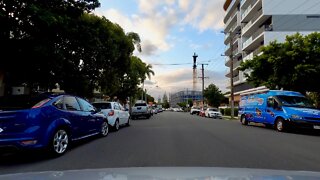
x=254 y=41
x=252 y=21
x=227 y=38
x=245 y=3
x=227 y=62
x=235 y=72
x=227 y=50
x=230 y=10
x=232 y=22
x=236 y=65
x=250 y=12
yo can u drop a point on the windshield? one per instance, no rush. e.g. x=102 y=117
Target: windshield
x=295 y=101
x=140 y=104
x=102 y=105
x=159 y=83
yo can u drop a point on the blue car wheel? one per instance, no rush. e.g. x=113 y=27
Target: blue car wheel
x=60 y=142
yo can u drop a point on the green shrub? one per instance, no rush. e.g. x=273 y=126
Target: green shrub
x=227 y=111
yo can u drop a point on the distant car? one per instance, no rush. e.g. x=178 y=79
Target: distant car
x=48 y=121
x=116 y=114
x=155 y=110
x=141 y=109
x=195 y=110
x=213 y=112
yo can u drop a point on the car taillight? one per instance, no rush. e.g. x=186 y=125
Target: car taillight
x=111 y=113
x=41 y=103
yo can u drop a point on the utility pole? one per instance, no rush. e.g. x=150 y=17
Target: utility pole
x=231 y=57
x=195 y=56
x=146 y=96
x=231 y=85
x=202 y=77
x=231 y=78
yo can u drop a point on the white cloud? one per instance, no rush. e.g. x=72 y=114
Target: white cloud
x=155 y=19
x=153 y=28
x=184 y=4
x=205 y=15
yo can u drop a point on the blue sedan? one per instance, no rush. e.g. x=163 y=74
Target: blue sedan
x=48 y=121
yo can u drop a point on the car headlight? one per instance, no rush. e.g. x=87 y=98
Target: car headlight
x=294 y=116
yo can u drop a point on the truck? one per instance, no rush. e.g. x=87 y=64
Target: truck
x=279 y=109
x=141 y=109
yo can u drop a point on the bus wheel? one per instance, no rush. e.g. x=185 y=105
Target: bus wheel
x=280 y=125
x=243 y=120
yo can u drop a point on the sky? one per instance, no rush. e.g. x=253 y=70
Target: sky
x=171 y=31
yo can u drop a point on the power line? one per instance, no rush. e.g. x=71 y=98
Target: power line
x=173 y=64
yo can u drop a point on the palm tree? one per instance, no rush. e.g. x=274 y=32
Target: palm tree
x=135 y=40
x=147 y=73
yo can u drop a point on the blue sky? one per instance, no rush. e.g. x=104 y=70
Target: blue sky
x=171 y=31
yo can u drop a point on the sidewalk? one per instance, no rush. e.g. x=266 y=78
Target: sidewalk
x=235 y=118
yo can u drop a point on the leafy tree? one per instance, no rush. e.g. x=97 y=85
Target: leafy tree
x=136 y=40
x=49 y=42
x=31 y=33
x=134 y=77
x=165 y=102
x=190 y=102
x=213 y=95
x=292 y=65
x=182 y=104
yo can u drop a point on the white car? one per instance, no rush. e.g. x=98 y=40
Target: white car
x=116 y=114
x=195 y=110
x=213 y=112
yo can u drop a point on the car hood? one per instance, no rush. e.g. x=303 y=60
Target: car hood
x=162 y=173
x=303 y=111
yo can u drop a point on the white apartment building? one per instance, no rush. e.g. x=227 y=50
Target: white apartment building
x=250 y=24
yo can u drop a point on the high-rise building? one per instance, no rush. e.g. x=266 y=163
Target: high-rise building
x=183 y=96
x=251 y=24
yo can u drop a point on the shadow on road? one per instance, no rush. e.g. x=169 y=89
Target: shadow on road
x=308 y=132
x=10 y=157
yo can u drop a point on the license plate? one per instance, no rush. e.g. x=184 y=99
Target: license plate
x=316 y=127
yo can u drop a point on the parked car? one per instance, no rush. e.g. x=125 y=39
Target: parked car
x=48 y=121
x=155 y=110
x=117 y=115
x=141 y=109
x=213 y=112
x=280 y=109
x=195 y=110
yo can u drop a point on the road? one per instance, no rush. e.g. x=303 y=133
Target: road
x=180 y=139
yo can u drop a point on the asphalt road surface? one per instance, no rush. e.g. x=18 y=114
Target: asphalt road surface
x=180 y=139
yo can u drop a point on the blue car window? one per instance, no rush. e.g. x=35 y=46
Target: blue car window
x=85 y=106
x=71 y=103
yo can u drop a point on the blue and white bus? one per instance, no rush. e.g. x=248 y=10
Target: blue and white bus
x=280 y=109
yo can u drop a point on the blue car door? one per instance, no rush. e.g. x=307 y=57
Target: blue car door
x=89 y=113
x=76 y=117
x=270 y=111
